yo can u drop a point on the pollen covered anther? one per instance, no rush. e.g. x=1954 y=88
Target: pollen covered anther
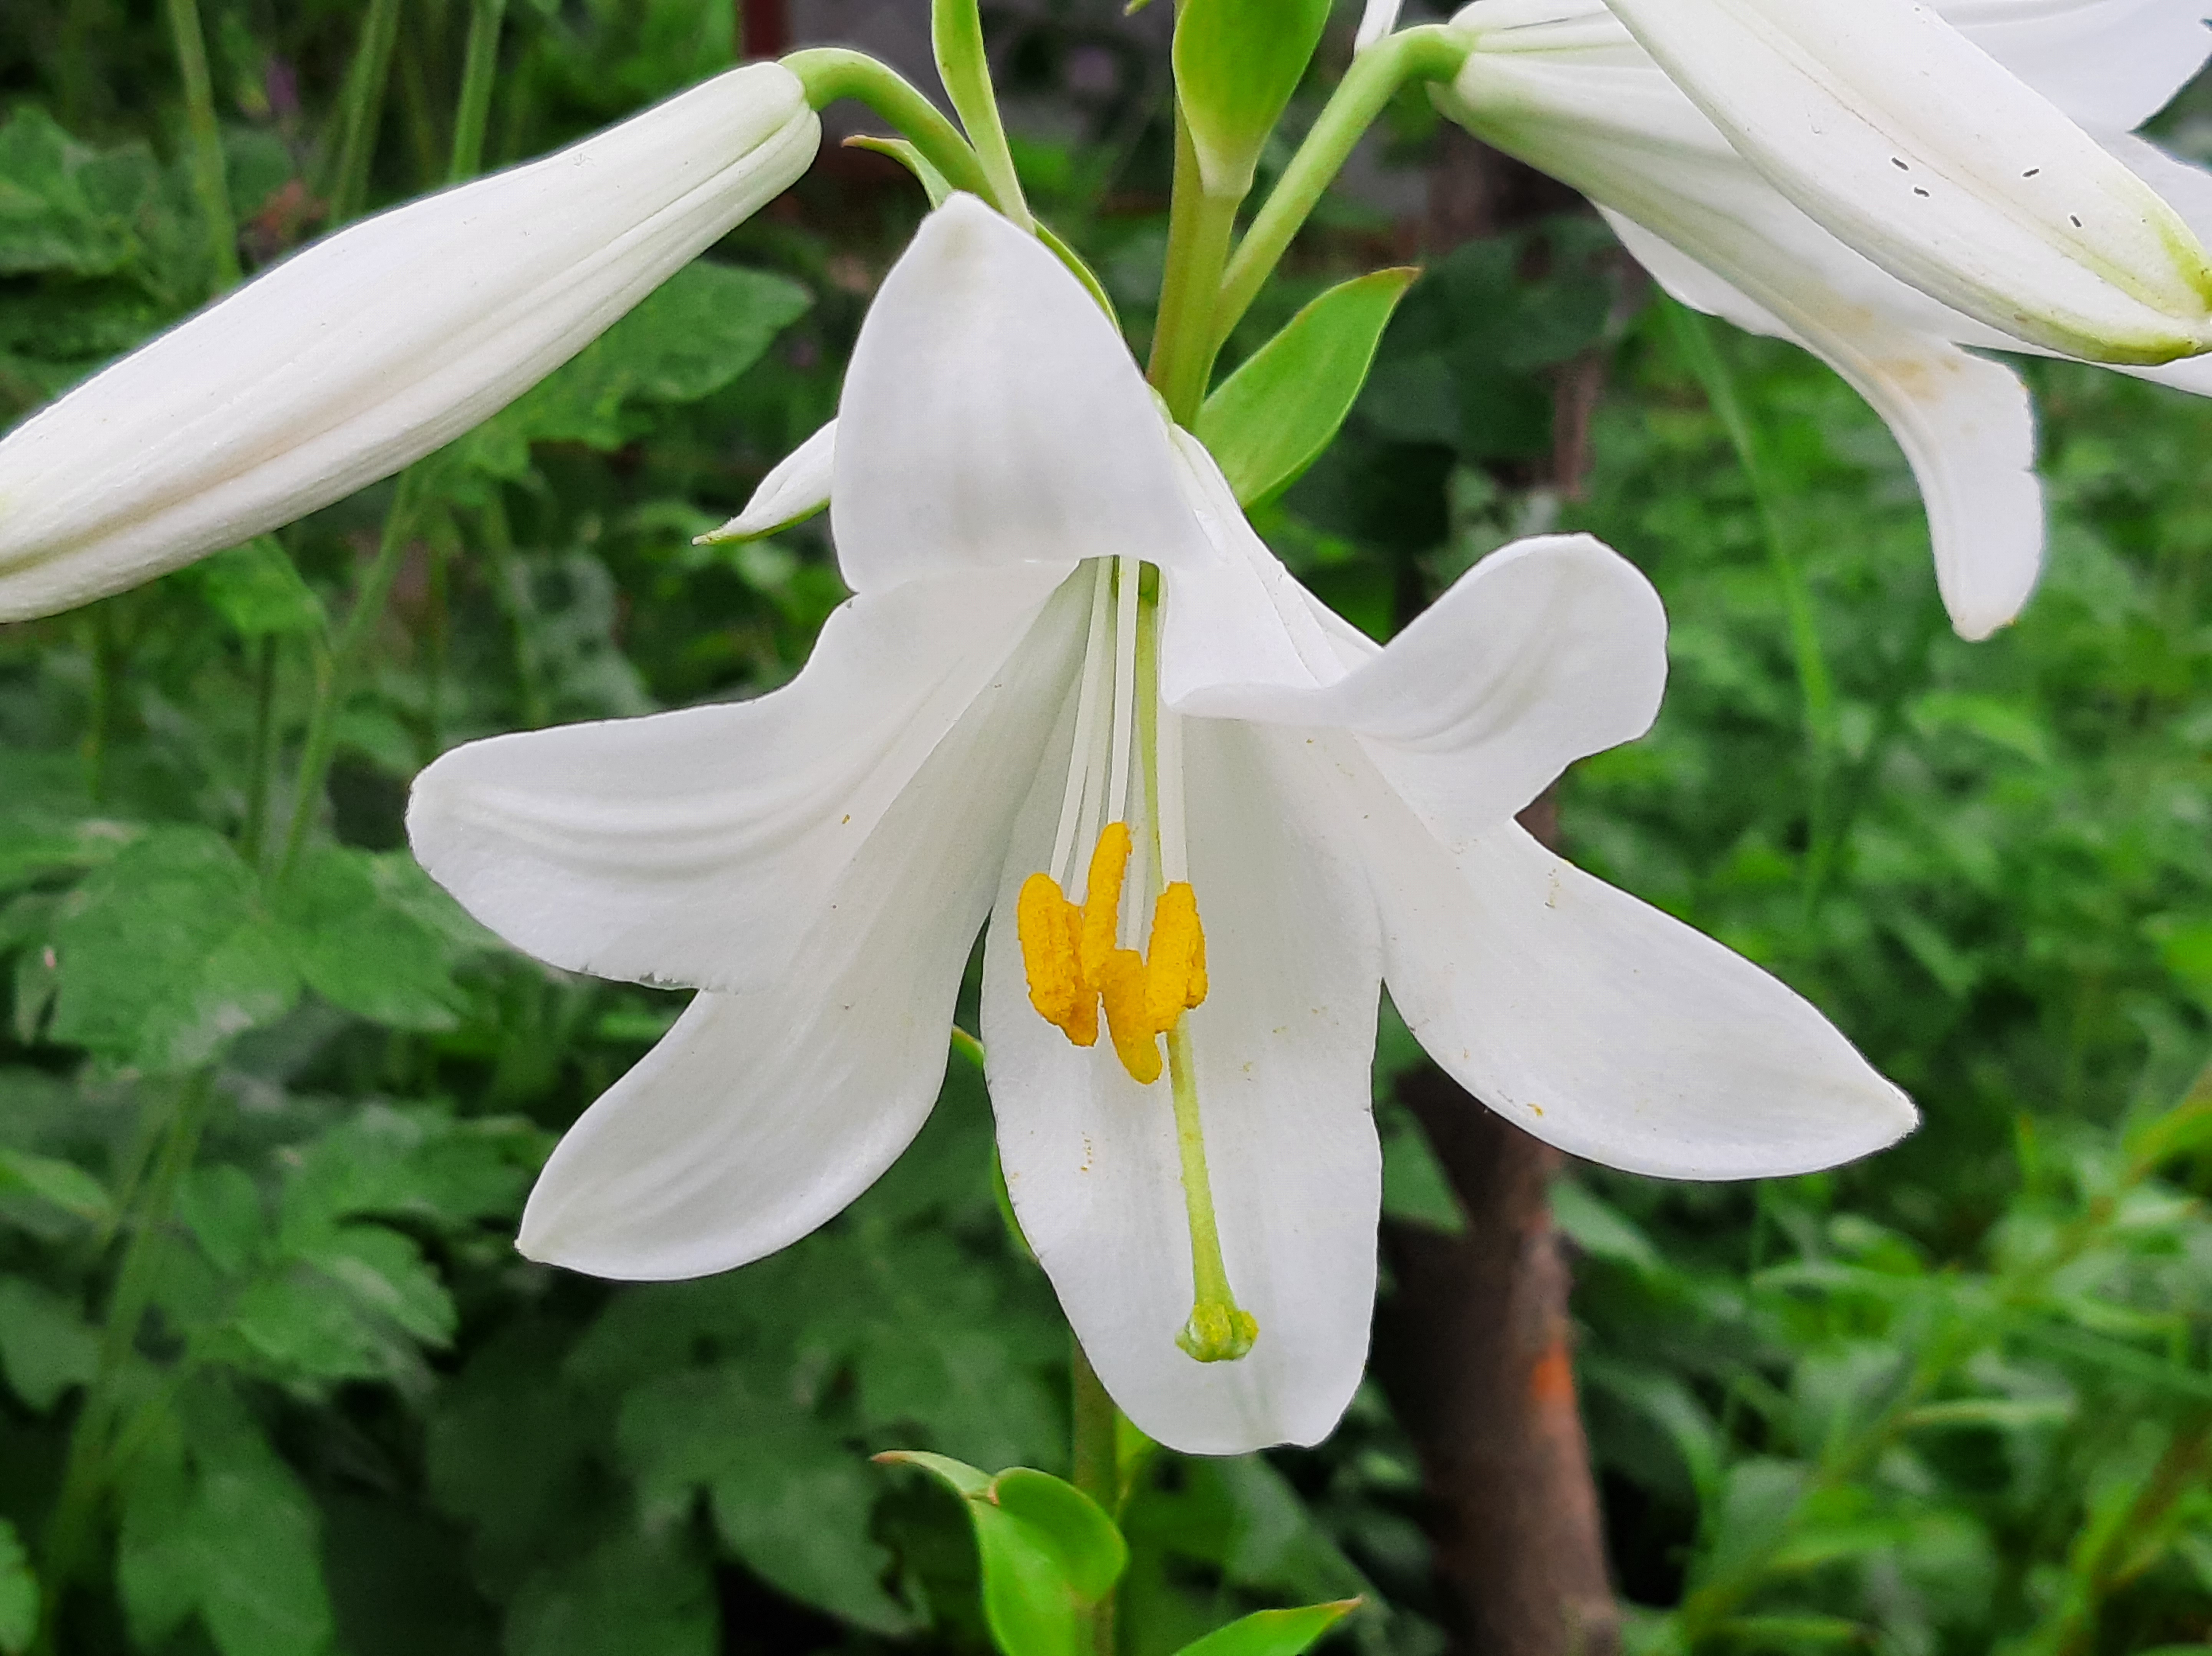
x=1075 y=964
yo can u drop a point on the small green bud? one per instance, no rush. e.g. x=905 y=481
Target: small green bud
x=1236 y=64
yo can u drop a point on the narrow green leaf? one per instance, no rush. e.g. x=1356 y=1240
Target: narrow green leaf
x=1236 y=64
x=1274 y=417
x=1273 y=1632
x=63 y=1184
x=965 y=1481
x=907 y=155
x=258 y=591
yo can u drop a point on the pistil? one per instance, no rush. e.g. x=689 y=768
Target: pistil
x=1092 y=954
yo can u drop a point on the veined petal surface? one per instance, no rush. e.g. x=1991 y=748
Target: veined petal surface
x=993 y=415
x=1601 y=1025
x=762 y=1113
x=370 y=348
x=1893 y=131
x=699 y=847
x=1283 y=1043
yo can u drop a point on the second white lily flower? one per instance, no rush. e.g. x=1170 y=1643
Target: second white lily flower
x=1206 y=820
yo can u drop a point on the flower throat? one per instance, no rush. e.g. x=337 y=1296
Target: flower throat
x=1091 y=952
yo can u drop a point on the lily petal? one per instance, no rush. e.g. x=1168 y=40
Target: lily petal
x=697 y=847
x=2109 y=64
x=371 y=347
x=1605 y=1027
x=761 y=1114
x=794 y=491
x=1909 y=144
x=1283 y=1043
x=992 y=416
x=2189 y=188
x=1545 y=651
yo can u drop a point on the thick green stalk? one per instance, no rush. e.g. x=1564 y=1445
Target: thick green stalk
x=1815 y=687
x=1184 y=341
x=90 y=1466
x=363 y=109
x=211 y=180
x=829 y=73
x=955 y=30
x=1097 y=1472
x=1430 y=53
x=479 y=69
x=335 y=674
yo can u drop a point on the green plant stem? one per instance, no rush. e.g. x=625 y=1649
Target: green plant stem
x=261 y=763
x=97 y=632
x=956 y=28
x=1097 y=1473
x=1184 y=344
x=1815 y=687
x=829 y=73
x=89 y=1467
x=340 y=664
x=363 y=109
x=210 y=179
x=1428 y=52
x=479 y=69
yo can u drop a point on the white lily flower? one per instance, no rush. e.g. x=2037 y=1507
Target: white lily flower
x=365 y=351
x=1565 y=86
x=1075 y=695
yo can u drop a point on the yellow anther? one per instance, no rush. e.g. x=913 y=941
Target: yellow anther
x=1049 y=926
x=1075 y=964
x=1174 y=962
x=1124 y=985
x=1218 y=1332
x=1101 y=901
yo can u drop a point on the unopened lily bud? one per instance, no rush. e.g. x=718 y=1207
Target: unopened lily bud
x=1911 y=145
x=368 y=350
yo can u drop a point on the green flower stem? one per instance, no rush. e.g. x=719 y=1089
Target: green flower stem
x=478 y=70
x=1097 y=1472
x=1815 y=687
x=90 y=1465
x=956 y=28
x=261 y=765
x=1430 y=53
x=1200 y=228
x=339 y=665
x=363 y=109
x=829 y=73
x=211 y=182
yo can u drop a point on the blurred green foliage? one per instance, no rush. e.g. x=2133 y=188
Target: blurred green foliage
x=1954 y=1401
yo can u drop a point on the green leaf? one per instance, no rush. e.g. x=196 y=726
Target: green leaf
x=356 y=927
x=1273 y=1632
x=1272 y=418
x=62 y=1184
x=1236 y=64
x=215 y=1526
x=19 y=1593
x=257 y=590
x=46 y=1345
x=932 y=182
x=165 y=953
x=692 y=336
x=1048 y=1551
x=637 y=1595
x=58 y=203
x=787 y=1495
x=1414 y=1185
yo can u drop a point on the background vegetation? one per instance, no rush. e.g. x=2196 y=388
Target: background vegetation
x=276 y=1383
